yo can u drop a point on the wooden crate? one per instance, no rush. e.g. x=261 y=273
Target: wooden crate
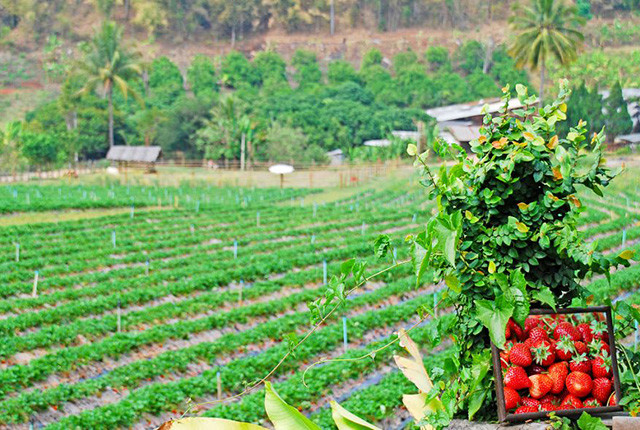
x=572 y=413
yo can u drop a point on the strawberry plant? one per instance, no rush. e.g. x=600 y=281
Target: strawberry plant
x=505 y=235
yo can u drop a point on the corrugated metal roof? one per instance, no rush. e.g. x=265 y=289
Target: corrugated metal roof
x=377 y=142
x=464 y=133
x=141 y=154
x=469 y=110
x=628 y=138
x=406 y=134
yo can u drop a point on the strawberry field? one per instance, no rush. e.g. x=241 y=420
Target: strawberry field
x=125 y=320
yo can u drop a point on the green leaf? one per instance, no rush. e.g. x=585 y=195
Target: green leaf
x=476 y=399
x=627 y=254
x=544 y=295
x=420 y=262
x=494 y=316
x=453 y=282
x=381 y=245
x=587 y=422
x=283 y=416
x=492 y=267
x=345 y=420
x=412 y=150
x=522 y=228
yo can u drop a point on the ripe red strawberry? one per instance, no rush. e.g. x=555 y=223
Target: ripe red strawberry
x=602 y=389
x=520 y=355
x=507 y=332
x=548 y=407
x=538 y=333
x=612 y=400
x=558 y=373
x=504 y=359
x=528 y=401
x=531 y=322
x=585 y=332
x=540 y=385
x=516 y=330
x=580 y=347
x=599 y=330
x=601 y=365
x=516 y=378
x=526 y=409
x=543 y=353
x=550 y=398
x=579 y=384
x=571 y=400
x=591 y=403
x=565 y=348
x=580 y=363
x=511 y=398
x=566 y=329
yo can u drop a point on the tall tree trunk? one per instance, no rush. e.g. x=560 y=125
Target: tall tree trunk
x=487 y=57
x=541 y=95
x=127 y=9
x=110 y=97
x=233 y=34
x=333 y=17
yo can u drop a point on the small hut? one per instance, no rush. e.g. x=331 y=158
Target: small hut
x=126 y=156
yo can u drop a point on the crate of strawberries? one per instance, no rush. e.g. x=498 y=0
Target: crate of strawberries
x=562 y=362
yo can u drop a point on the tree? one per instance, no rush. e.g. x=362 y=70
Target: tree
x=11 y=145
x=221 y=135
x=237 y=71
x=584 y=105
x=201 y=75
x=40 y=148
x=110 y=64
x=618 y=120
x=340 y=71
x=437 y=57
x=270 y=66
x=371 y=57
x=165 y=82
x=288 y=144
x=542 y=29
x=307 y=68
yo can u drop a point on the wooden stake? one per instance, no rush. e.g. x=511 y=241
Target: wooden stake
x=344 y=333
x=34 y=293
x=119 y=318
x=17 y=252
x=219 y=379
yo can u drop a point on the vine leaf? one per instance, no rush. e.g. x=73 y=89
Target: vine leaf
x=282 y=415
x=544 y=295
x=479 y=369
x=494 y=316
x=345 y=420
x=453 y=282
x=419 y=405
x=587 y=422
x=381 y=245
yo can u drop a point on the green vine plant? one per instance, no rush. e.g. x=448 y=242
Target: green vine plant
x=505 y=236
x=504 y=239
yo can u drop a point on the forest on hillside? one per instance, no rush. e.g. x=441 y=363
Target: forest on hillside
x=233 y=20
x=106 y=83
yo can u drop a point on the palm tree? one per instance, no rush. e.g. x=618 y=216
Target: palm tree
x=110 y=64
x=545 y=27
